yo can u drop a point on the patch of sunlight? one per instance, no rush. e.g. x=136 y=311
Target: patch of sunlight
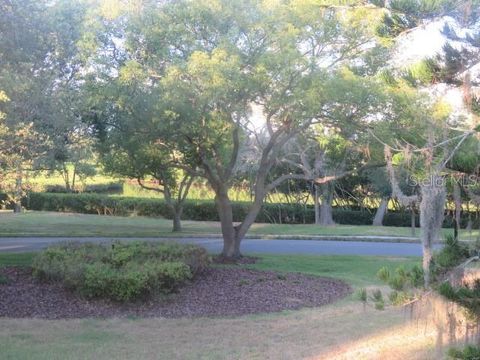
x=408 y=341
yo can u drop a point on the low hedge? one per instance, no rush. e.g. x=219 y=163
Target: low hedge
x=122 y=271
x=108 y=188
x=206 y=210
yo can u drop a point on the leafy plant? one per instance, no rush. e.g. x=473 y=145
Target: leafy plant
x=468 y=297
x=401 y=279
x=469 y=352
x=362 y=295
x=377 y=298
x=451 y=255
x=122 y=271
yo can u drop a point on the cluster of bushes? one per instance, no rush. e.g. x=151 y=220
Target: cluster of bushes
x=206 y=210
x=121 y=271
x=108 y=188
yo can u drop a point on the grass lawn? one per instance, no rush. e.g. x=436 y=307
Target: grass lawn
x=16 y=259
x=66 y=224
x=340 y=331
x=358 y=271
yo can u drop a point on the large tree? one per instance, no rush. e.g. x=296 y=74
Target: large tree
x=425 y=139
x=208 y=61
x=39 y=66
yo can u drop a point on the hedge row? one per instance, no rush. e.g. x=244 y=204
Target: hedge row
x=108 y=188
x=205 y=210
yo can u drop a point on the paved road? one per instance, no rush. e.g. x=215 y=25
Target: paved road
x=314 y=247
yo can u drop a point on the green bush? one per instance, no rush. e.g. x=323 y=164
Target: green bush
x=122 y=271
x=402 y=279
x=108 y=188
x=470 y=352
x=133 y=280
x=451 y=255
x=377 y=298
x=466 y=296
x=403 y=283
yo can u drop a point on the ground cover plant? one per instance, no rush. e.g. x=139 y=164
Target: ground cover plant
x=121 y=272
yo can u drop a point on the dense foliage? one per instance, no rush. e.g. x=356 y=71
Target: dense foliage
x=451 y=255
x=470 y=352
x=121 y=271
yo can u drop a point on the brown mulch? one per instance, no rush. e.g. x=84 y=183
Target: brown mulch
x=244 y=260
x=220 y=291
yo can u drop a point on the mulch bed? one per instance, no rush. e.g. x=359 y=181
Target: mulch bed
x=219 y=291
x=244 y=260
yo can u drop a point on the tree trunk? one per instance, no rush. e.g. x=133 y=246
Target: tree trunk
x=66 y=178
x=177 y=214
x=432 y=209
x=457 y=198
x=413 y=221
x=17 y=206
x=326 y=211
x=74 y=175
x=381 y=211
x=316 y=196
x=231 y=244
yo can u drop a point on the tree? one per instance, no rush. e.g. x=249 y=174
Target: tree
x=20 y=147
x=225 y=56
x=381 y=186
x=137 y=156
x=426 y=157
x=325 y=155
x=39 y=64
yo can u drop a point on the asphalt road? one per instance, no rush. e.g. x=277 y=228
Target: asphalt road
x=313 y=247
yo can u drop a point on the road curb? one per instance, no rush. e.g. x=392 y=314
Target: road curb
x=361 y=238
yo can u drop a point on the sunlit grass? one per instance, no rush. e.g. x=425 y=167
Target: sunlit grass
x=16 y=259
x=356 y=270
x=33 y=223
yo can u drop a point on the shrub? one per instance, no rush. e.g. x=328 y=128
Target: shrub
x=133 y=280
x=402 y=279
x=57 y=189
x=403 y=283
x=466 y=296
x=122 y=271
x=470 y=352
x=451 y=255
x=361 y=295
x=377 y=298
x=109 y=188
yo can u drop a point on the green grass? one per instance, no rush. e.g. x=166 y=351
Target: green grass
x=16 y=259
x=356 y=270
x=79 y=225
